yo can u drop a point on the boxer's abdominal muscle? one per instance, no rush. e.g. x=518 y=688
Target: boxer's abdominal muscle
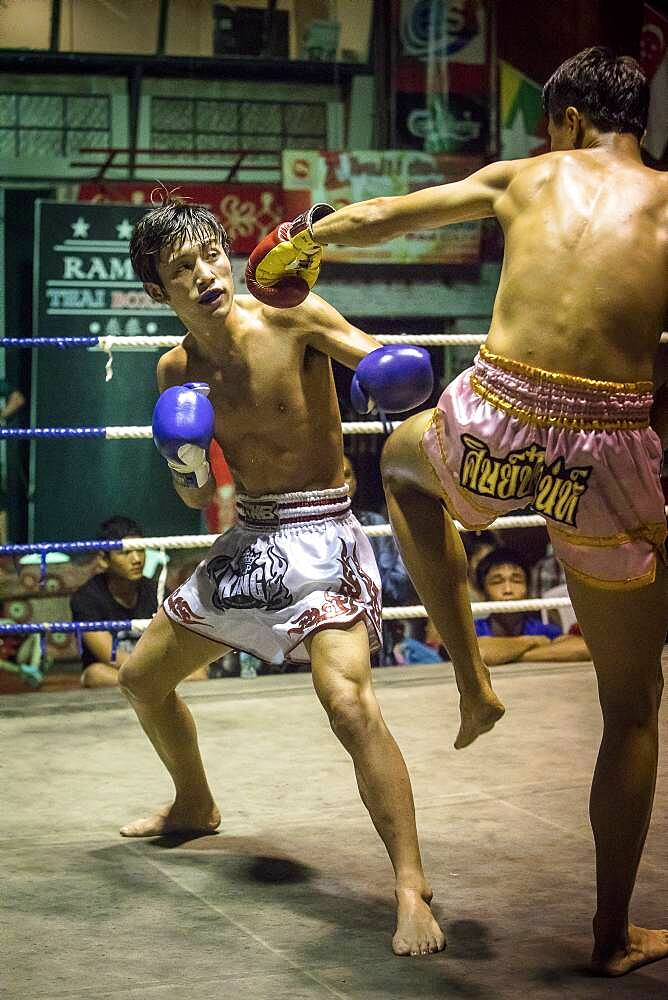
x=278 y=422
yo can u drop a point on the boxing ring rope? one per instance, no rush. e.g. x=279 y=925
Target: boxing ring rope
x=152 y=343
x=131 y=433
x=149 y=343
x=33 y=675
x=479 y=608
x=205 y=541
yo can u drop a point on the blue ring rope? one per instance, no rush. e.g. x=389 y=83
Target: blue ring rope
x=51 y=432
x=31 y=628
x=44 y=547
x=49 y=341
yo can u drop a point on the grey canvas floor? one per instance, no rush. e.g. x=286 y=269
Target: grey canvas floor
x=293 y=898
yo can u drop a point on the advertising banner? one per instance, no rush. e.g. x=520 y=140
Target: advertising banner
x=247 y=211
x=343 y=178
x=442 y=76
x=654 y=61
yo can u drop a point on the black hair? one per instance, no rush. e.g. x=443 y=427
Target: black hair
x=503 y=556
x=474 y=540
x=612 y=91
x=170 y=223
x=117 y=527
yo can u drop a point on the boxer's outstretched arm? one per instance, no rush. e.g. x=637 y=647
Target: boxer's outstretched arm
x=379 y=219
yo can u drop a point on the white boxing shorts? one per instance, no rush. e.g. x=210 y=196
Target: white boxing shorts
x=293 y=564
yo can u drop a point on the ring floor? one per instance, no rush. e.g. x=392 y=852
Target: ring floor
x=292 y=899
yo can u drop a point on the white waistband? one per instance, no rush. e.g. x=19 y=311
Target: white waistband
x=275 y=509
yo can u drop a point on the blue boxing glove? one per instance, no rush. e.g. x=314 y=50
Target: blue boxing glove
x=183 y=422
x=394 y=378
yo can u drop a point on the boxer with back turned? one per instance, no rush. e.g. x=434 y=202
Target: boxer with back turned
x=295 y=578
x=555 y=413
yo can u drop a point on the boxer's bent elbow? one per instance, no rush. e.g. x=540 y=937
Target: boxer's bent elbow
x=197 y=499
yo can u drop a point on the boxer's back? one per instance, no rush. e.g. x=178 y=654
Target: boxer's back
x=584 y=286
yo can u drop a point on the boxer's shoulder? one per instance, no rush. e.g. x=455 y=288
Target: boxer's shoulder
x=295 y=320
x=173 y=366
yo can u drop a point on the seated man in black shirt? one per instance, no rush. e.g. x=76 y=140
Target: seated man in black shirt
x=119 y=591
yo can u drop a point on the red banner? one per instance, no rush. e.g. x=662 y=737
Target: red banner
x=247 y=211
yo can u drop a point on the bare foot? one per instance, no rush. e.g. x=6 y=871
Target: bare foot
x=643 y=947
x=477 y=717
x=417 y=932
x=174 y=819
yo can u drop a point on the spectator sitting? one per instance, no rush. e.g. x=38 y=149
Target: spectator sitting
x=13 y=401
x=522 y=636
x=423 y=646
x=396 y=585
x=478 y=544
x=23 y=656
x=119 y=591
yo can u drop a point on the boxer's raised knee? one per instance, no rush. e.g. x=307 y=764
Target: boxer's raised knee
x=401 y=462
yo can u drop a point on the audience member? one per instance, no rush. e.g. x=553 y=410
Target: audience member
x=478 y=544
x=118 y=592
x=24 y=657
x=522 y=636
x=13 y=400
x=423 y=646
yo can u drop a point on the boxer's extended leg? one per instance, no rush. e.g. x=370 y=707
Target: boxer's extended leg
x=436 y=562
x=625 y=632
x=165 y=655
x=342 y=680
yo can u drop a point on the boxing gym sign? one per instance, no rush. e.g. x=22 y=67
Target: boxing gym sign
x=84 y=284
x=84 y=287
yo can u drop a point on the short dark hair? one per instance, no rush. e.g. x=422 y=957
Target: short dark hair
x=117 y=527
x=503 y=556
x=612 y=91
x=474 y=540
x=171 y=223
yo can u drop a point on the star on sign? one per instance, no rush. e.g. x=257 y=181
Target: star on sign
x=80 y=228
x=124 y=230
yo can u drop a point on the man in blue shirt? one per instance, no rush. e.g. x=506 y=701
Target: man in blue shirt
x=520 y=636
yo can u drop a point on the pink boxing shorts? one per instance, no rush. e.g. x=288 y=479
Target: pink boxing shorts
x=293 y=563
x=505 y=436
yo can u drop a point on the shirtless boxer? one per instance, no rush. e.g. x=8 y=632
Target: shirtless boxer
x=296 y=577
x=555 y=412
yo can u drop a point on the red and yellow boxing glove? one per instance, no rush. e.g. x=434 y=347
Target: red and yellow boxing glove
x=284 y=266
